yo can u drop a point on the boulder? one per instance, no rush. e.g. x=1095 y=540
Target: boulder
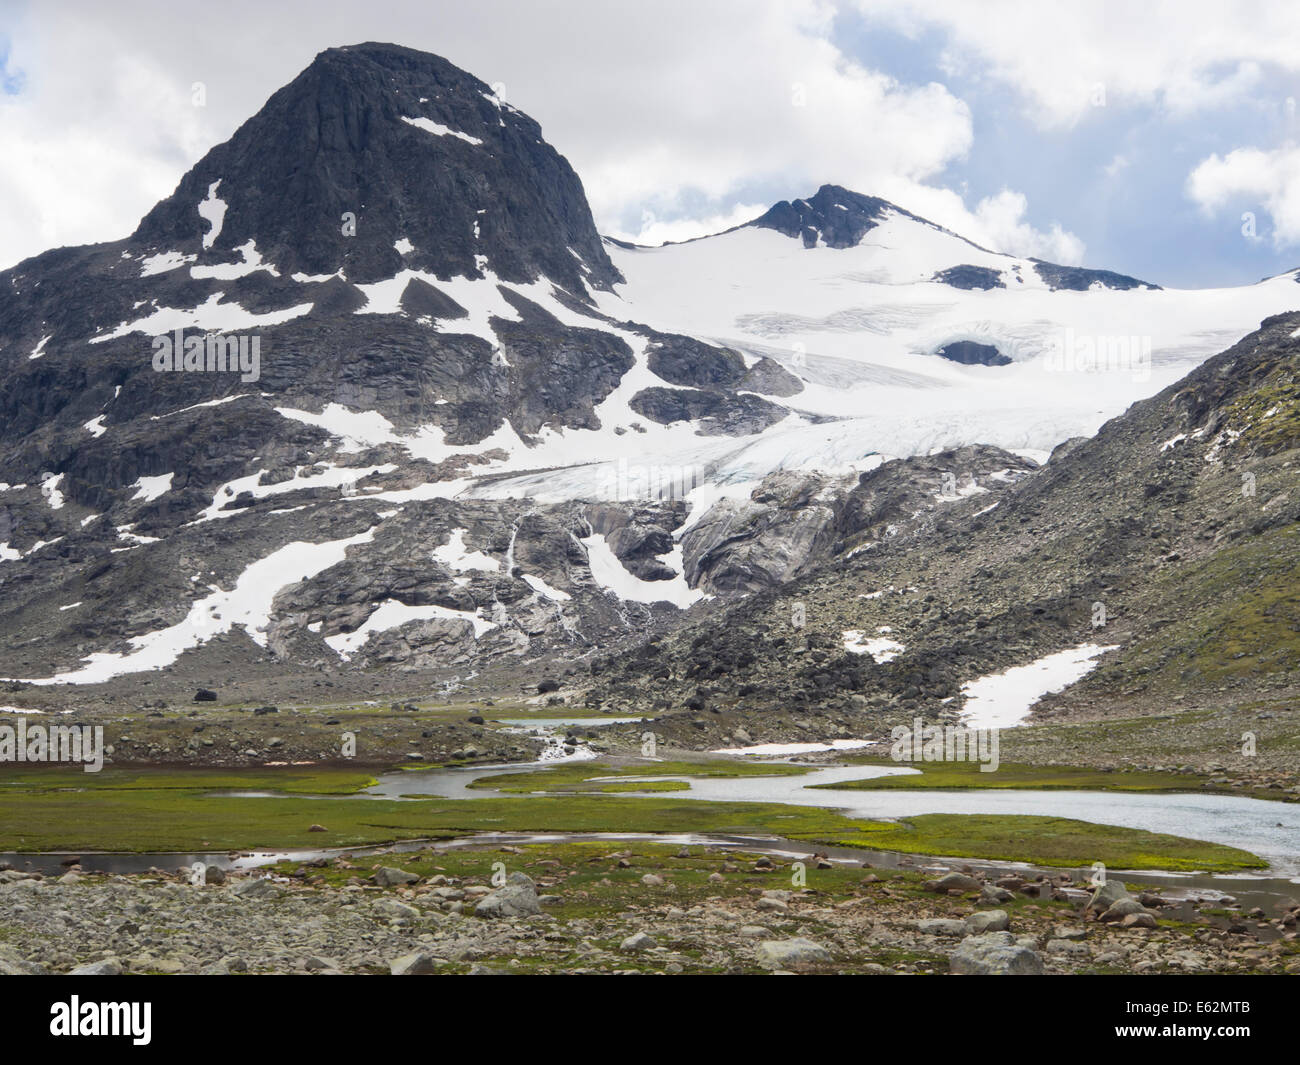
x=258 y=887
x=791 y=953
x=386 y=876
x=953 y=882
x=1138 y=920
x=105 y=967
x=987 y=921
x=14 y=964
x=941 y=926
x=994 y=896
x=1070 y=947
x=994 y=954
x=635 y=944
x=1122 y=908
x=1107 y=894
x=517 y=897
x=395 y=908
x=417 y=964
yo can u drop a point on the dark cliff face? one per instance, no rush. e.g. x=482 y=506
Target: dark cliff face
x=352 y=134
x=439 y=176
x=838 y=217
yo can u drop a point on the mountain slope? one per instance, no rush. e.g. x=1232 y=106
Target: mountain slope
x=479 y=445
x=417 y=150
x=1180 y=519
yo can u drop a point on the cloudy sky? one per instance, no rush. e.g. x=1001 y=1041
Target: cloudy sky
x=1161 y=140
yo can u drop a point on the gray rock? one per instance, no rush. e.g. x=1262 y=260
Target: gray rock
x=994 y=954
x=1138 y=920
x=1069 y=947
x=1122 y=908
x=106 y=967
x=941 y=926
x=258 y=887
x=1107 y=894
x=386 y=876
x=790 y=953
x=954 y=881
x=987 y=921
x=417 y=964
x=516 y=898
x=636 y=943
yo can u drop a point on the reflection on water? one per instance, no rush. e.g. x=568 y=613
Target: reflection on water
x=1269 y=829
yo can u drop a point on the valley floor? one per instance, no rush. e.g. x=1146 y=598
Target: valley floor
x=608 y=907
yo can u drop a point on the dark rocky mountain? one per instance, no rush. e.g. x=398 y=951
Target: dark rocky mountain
x=352 y=134
x=1079 y=279
x=840 y=218
x=836 y=216
x=354 y=516
x=460 y=307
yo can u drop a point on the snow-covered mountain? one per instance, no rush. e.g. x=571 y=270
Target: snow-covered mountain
x=878 y=321
x=368 y=397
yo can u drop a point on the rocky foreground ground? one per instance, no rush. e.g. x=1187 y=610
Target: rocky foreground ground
x=590 y=908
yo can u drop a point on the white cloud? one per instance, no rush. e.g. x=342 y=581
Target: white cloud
x=655 y=231
x=997 y=222
x=87 y=154
x=1251 y=177
x=1002 y=219
x=1068 y=56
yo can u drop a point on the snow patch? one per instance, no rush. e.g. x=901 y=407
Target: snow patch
x=439 y=130
x=880 y=648
x=164 y=262
x=247 y=604
x=392 y=614
x=213 y=211
x=252 y=262
x=611 y=575
x=545 y=590
x=1004 y=699
x=150 y=488
x=50 y=489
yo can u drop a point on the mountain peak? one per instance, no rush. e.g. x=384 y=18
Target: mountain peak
x=378 y=158
x=836 y=216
